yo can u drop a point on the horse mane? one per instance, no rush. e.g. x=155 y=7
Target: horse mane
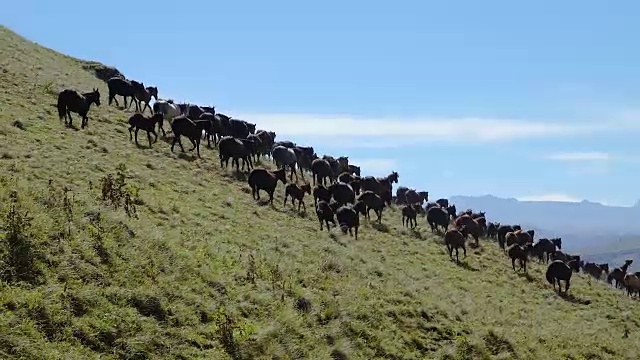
x=170 y=101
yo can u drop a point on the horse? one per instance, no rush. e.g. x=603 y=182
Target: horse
x=122 y=87
x=168 y=109
x=618 y=274
x=70 y=100
x=559 y=270
x=145 y=94
x=138 y=121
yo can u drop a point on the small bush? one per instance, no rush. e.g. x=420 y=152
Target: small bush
x=117 y=193
x=19 y=257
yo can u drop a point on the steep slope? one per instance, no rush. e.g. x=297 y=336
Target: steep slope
x=200 y=271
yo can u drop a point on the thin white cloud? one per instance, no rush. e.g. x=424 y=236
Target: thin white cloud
x=580 y=156
x=348 y=131
x=550 y=197
x=464 y=129
x=375 y=167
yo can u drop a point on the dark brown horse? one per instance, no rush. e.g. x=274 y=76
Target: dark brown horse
x=559 y=270
x=142 y=94
x=596 y=270
x=138 y=121
x=122 y=87
x=618 y=274
x=70 y=100
x=381 y=186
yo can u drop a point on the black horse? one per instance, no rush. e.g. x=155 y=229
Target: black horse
x=124 y=88
x=70 y=100
x=559 y=270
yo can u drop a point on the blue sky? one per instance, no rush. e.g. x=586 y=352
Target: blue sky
x=533 y=101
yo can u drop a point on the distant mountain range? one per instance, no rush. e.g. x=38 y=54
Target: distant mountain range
x=585 y=227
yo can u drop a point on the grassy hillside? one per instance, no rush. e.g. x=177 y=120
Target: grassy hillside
x=188 y=266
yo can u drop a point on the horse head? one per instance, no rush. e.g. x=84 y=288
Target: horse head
x=96 y=95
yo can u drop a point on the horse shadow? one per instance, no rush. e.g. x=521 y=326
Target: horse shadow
x=574 y=299
x=166 y=139
x=416 y=234
x=279 y=209
x=465 y=265
x=238 y=175
x=141 y=146
x=187 y=156
x=526 y=276
x=266 y=202
x=336 y=239
x=71 y=126
x=379 y=226
x=473 y=245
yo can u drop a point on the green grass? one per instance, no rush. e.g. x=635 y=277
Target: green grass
x=201 y=271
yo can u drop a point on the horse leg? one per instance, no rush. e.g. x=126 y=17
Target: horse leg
x=193 y=142
x=112 y=98
x=180 y=142
x=567 y=287
x=136 y=135
x=130 y=134
x=176 y=139
x=149 y=137
x=513 y=263
x=161 y=127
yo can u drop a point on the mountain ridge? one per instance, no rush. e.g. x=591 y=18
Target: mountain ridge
x=582 y=224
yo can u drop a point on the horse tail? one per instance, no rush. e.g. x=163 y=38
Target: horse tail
x=549 y=275
x=62 y=107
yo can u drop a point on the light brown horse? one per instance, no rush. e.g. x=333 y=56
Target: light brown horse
x=143 y=94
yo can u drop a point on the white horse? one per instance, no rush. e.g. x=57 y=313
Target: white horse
x=168 y=109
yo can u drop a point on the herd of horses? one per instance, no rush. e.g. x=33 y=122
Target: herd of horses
x=341 y=195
